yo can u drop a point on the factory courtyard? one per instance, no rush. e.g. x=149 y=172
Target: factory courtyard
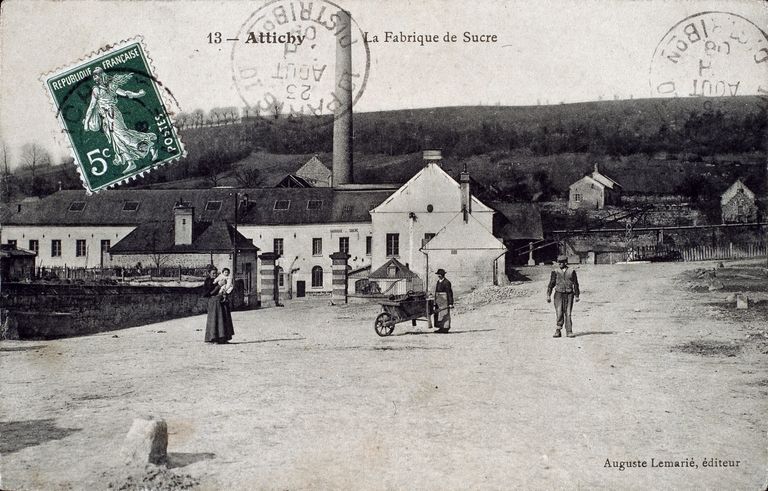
x=663 y=372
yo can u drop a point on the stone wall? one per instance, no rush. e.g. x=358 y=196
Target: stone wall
x=46 y=311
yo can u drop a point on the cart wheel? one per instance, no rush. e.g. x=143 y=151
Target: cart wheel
x=384 y=325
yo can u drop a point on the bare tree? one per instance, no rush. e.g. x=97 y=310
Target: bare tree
x=5 y=173
x=248 y=178
x=34 y=157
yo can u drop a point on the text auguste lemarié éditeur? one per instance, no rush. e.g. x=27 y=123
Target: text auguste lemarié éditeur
x=688 y=463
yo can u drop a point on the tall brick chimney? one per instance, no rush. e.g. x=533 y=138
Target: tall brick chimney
x=466 y=196
x=342 y=117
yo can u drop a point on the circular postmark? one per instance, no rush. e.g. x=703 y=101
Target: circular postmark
x=711 y=54
x=708 y=56
x=289 y=60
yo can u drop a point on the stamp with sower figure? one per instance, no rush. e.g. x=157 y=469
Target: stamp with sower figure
x=113 y=112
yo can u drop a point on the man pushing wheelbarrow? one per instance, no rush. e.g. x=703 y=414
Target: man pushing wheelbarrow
x=443 y=302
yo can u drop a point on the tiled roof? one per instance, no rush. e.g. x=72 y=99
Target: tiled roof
x=517 y=221
x=159 y=237
x=136 y=206
x=400 y=270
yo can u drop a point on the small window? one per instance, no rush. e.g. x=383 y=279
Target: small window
x=344 y=245
x=368 y=245
x=280 y=277
x=314 y=204
x=277 y=246
x=80 y=248
x=12 y=243
x=428 y=237
x=105 y=245
x=317 y=247
x=34 y=246
x=130 y=206
x=576 y=197
x=282 y=204
x=77 y=206
x=393 y=245
x=317 y=277
x=56 y=248
x=213 y=206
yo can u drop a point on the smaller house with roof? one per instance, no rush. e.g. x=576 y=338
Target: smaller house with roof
x=315 y=173
x=594 y=192
x=737 y=204
x=16 y=264
x=394 y=278
x=186 y=242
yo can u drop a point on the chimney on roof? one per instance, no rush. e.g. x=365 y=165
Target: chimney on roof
x=432 y=157
x=596 y=169
x=342 y=117
x=466 y=197
x=183 y=219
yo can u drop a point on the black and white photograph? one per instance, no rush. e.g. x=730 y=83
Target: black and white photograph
x=361 y=245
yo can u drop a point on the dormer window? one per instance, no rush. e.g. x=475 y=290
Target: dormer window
x=130 y=206
x=77 y=206
x=213 y=206
x=282 y=204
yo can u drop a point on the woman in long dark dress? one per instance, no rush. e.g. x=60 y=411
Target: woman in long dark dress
x=218 y=327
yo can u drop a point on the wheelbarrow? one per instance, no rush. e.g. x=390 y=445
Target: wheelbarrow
x=413 y=306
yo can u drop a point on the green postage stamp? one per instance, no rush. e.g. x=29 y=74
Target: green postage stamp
x=113 y=112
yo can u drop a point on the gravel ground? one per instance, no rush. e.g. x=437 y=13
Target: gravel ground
x=308 y=397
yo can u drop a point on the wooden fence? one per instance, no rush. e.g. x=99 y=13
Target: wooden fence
x=119 y=274
x=704 y=253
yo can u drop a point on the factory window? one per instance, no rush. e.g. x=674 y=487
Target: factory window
x=56 y=248
x=576 y=197
x=314 y=204
x=317 y=277
x=277 y=246
x=282 y=204
x=213 y=206
x=130 y=206
x=368 y=245
x=34 y=246
x=80 y=248
x=344 y=245
x=77 y=206
x=317 y=247
x=105 y=245
x=393 y=245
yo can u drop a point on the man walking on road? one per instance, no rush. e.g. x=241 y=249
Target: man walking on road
x=566 y=286
x=443 y=302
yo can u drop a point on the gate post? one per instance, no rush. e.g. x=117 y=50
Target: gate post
x=268 y=283
x=339 y=277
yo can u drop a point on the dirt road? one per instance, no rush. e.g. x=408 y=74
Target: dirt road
x=308 y=397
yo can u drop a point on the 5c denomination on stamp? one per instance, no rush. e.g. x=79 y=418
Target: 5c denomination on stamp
x=114 y=115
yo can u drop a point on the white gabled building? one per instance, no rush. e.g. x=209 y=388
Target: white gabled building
x=432 y=218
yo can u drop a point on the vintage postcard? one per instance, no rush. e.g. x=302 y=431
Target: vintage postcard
x=349 y=244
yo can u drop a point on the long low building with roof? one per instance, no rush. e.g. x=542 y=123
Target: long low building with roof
x=430 y=222
x=304 y=226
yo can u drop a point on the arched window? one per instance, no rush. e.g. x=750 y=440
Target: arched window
x=280 y=277
x=317 y=277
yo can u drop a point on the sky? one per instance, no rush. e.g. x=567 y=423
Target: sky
x=546 y=52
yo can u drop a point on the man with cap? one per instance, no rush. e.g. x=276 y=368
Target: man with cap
x=443 y=302
x=566 y=286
